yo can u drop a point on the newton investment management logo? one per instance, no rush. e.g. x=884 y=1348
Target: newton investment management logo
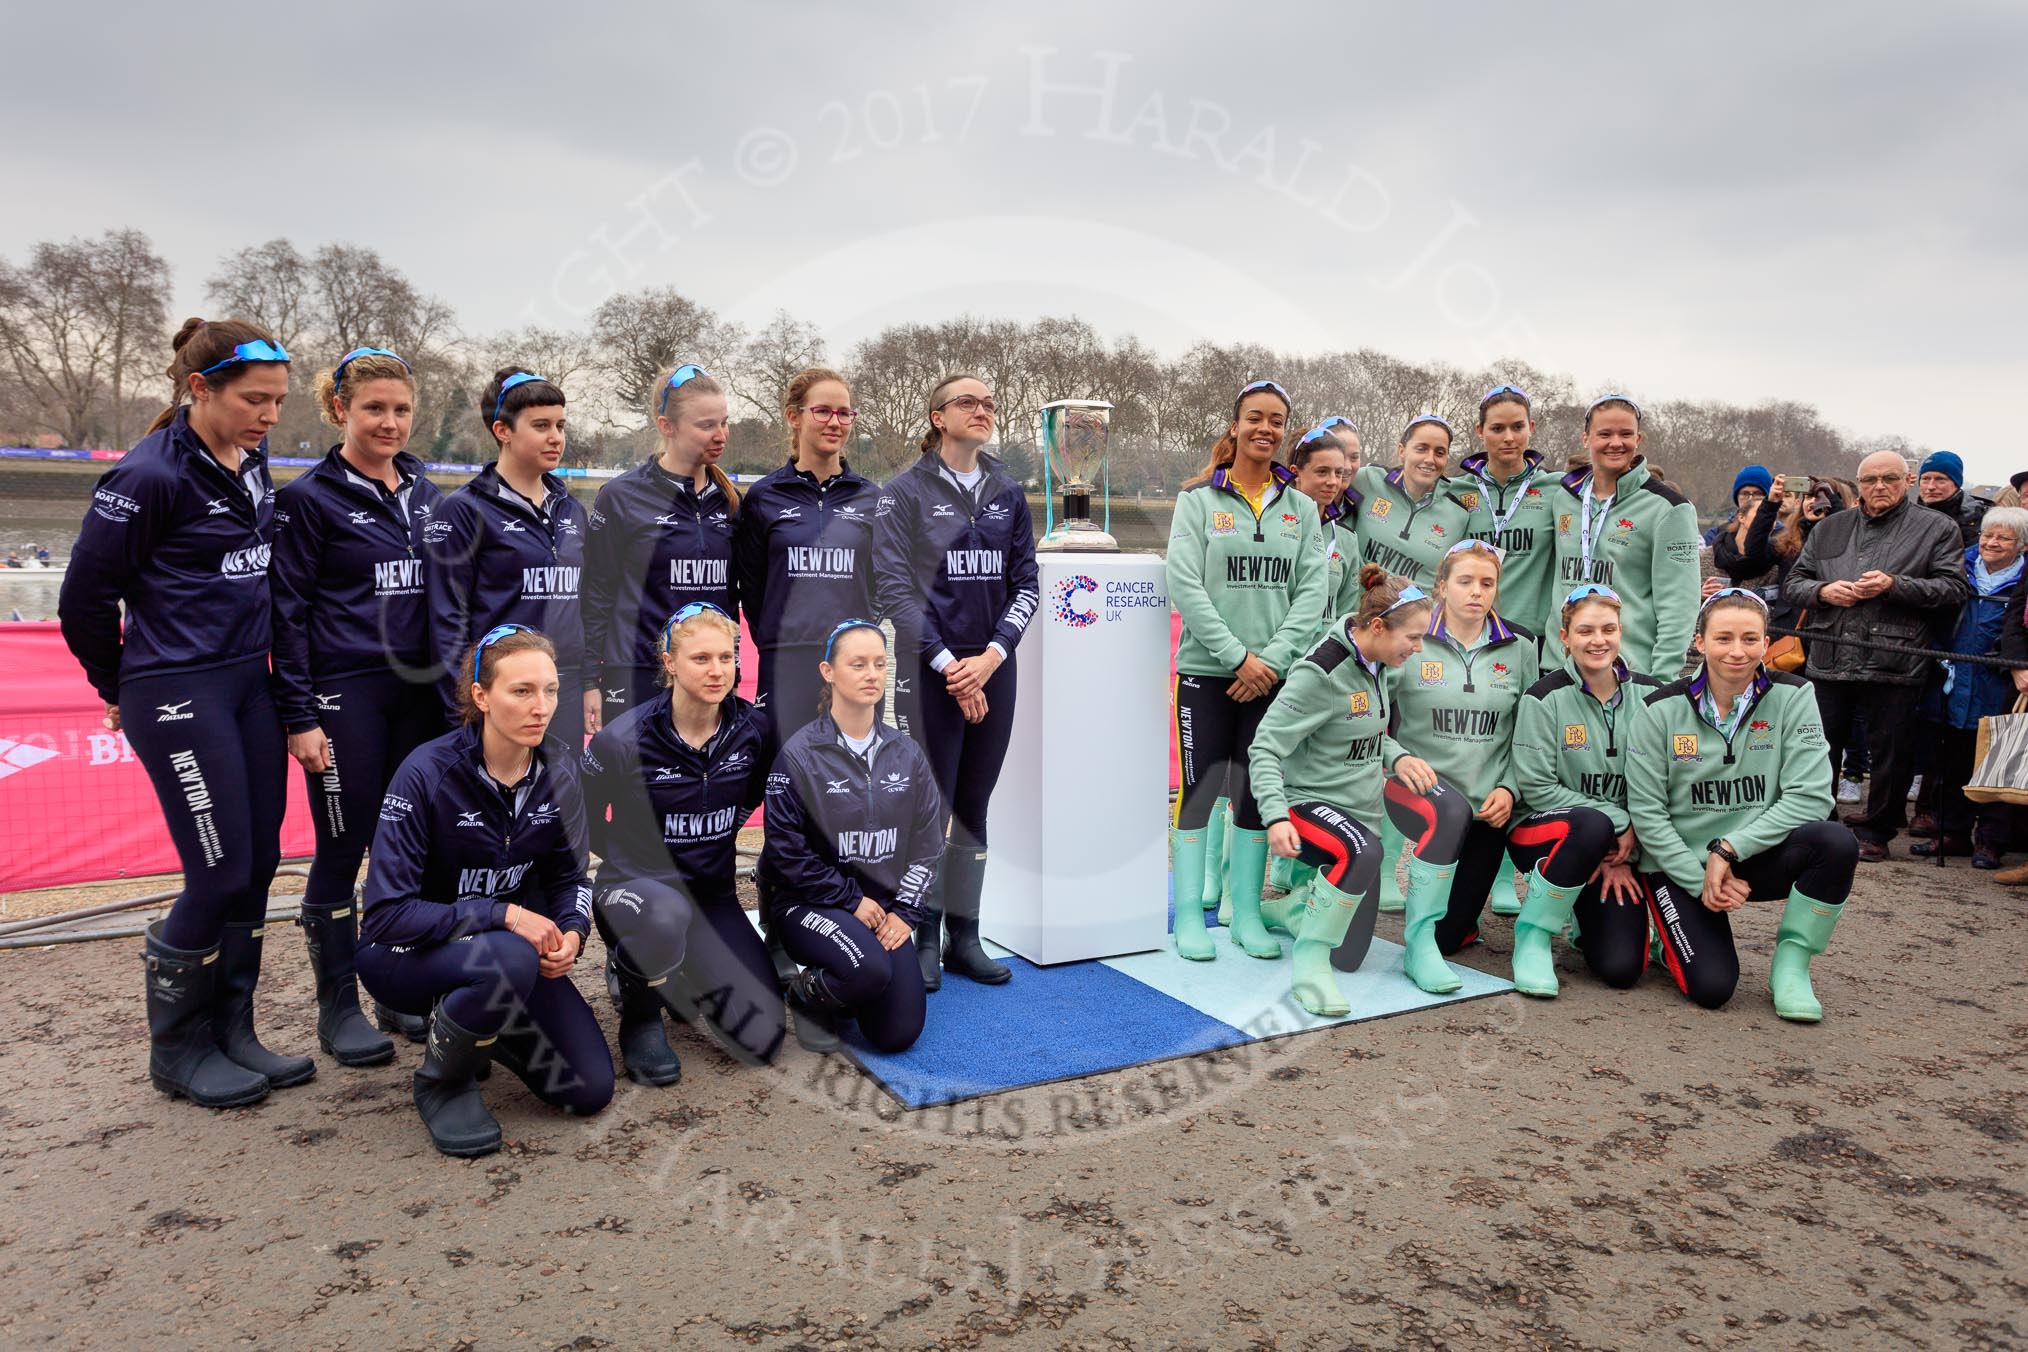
x=1063 y=600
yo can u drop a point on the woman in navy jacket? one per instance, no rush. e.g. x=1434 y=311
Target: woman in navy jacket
x=180 y=532
x=477 y=905
x=352 y=669
x=661 y=538
x=803 y=551
x=508 y=548
x=855 y=833
x=954 y=569
x=679 y=773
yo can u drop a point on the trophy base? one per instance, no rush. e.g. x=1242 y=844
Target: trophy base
x=1077 y=537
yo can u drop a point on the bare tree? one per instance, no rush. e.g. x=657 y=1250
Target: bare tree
x=640 y=334
x=784 y=346
x=75 y=321
x=266 y=284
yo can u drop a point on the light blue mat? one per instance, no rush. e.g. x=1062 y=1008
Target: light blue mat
x=1086 y=1018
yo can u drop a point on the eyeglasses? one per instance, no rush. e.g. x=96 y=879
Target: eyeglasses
x=678 y=378
x=970 y=403
x=1741 y=592
x=1591 y=589
x=338 y=374
x=845 y=627
x=1506 y=391
x=824 y=413
x=494 y=635
x=242 y=353
x=1872 y=480
x=518 y=378
x=1408 y=597
x=689 y=611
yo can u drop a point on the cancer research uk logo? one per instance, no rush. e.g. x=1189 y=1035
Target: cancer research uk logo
x=1063 y=596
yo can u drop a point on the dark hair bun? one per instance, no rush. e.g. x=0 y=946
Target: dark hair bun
x=184 y=334
x=1371 y=575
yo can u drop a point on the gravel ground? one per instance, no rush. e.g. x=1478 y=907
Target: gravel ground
x=1608 y=1170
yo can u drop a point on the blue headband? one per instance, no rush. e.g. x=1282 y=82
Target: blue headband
x=690 y=612
x=338 y=373
x=518 y=378
x=843 y=629
x=494 y=635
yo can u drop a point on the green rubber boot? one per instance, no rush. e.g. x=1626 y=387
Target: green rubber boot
x=1506 y=900
x=1246 y=862
x=1429 y=896
x=1280 y=876
x=1218 y=875
x=1186 y=870
x=1392 y=843
x=1805 y=929
x=1543 y=915
x=1285 y=913
x=1324 y=924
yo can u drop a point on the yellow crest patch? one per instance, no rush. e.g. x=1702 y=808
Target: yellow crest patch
x=1563 y=523
x=1575 y=737
x=1221 y=523
x=1432 y=673
x=1359 y=703
x=1683 y=746
x=1380 y=506
x=1471 y=501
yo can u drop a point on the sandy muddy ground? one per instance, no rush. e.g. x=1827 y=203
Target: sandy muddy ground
x=1608 y=1170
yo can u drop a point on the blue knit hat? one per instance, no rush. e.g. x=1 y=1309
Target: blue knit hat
x=1753 y=476
x=1945 y=463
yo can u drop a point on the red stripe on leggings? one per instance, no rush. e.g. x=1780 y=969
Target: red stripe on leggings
x=1401 y=795
x=1554 y=831
x=1669 y=957
x=1329 y=843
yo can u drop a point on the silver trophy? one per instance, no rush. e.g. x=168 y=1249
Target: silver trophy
x=1073 y=435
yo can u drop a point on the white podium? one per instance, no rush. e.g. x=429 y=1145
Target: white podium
x=1079 y=826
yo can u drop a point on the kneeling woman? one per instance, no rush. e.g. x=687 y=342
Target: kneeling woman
x=476 y=903
x=680 y=772
x=855 y=832
x=1318 y=763
x=1729 y=788
x=1579 y=843
x=1456 y=717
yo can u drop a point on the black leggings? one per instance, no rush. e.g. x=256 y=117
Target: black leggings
x=1817 y=860
x=212 y=743
x=787 y=692
x=1347 y=855
x=965 y=758
x=1214 y=732
x=1569 y=845
x=491 y=983
x=883 y=989
x=719 y=968
x=372 y=721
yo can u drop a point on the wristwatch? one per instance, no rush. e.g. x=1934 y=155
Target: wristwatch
x=1723 y=851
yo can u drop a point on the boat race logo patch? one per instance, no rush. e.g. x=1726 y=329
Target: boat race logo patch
x=1432 y=673
x=1360 y=704
x=1575 y=737
x=1683 y=747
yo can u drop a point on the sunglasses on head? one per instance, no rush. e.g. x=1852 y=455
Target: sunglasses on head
x=678 y=378
x=493 y=635
x=1591 y=589
x=1506 y=392
x=242 y=353
x=689 y=611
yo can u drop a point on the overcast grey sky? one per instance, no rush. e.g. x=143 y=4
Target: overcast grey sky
x=1812 y=202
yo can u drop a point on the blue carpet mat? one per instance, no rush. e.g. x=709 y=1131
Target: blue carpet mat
x=1086 y=1018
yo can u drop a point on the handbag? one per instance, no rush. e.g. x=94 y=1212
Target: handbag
x=2000 y=762
x=1786 y=653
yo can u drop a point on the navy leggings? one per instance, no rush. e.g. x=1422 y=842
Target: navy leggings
x=1214 y=732
x=372 y=722
x=882 y=989
x=965 y=758
x=1817 y=860
x=212 y=743
x=787 y=691
x=710 y=959
x=491 y=985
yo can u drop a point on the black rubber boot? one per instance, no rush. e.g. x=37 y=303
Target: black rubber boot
x=331 y=934
x=964 y=879
x=232 y=1020
x=818 y=1012
x=414 y=1027
x=183 y=1053
x=644 y=1042
x=447 y=1091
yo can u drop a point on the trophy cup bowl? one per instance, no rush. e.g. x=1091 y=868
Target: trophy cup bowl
x=1073 y=435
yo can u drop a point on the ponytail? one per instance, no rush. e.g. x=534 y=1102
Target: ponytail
x=933 y=439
